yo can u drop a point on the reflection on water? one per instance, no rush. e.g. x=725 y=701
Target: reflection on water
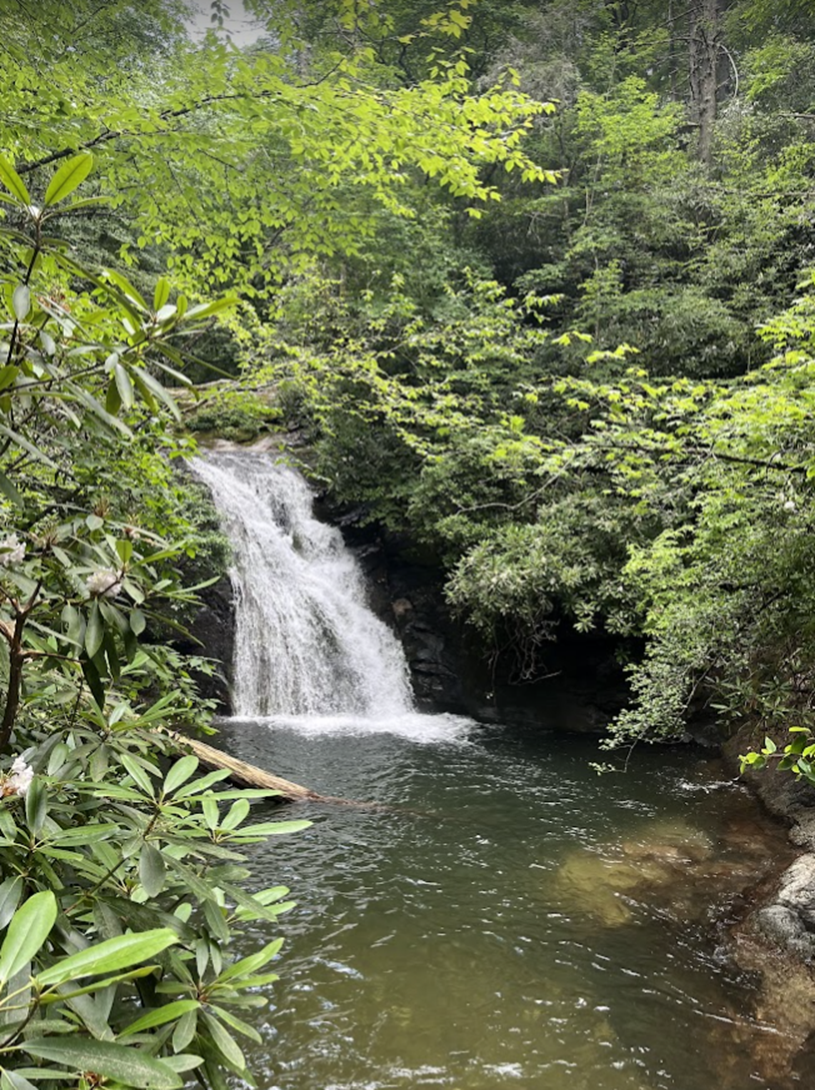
x=507 y=918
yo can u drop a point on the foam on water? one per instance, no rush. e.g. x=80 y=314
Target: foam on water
x=415 y=726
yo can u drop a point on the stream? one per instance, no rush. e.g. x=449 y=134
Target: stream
x=501 y=915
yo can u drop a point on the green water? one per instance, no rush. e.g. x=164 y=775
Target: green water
x=508 y=919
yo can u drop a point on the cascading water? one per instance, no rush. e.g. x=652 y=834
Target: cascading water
x=306 y=643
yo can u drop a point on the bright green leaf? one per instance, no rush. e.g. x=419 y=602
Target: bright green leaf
x=110 y=956
x=13 y=182
x=26 y=933
x=71 y=173
x=161 y=1015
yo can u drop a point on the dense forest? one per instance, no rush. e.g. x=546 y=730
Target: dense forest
x=533 y=279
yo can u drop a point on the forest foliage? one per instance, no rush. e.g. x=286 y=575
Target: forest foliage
x=534 y=279
x=598 y=415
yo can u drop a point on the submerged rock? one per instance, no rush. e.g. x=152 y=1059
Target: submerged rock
x=591 y=884
x=670 y=842
x=607 y=883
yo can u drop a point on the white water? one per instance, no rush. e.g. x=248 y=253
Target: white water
x=308 y=650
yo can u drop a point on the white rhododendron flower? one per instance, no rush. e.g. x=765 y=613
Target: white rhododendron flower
x=12 y=551
x=18 y=781
x=104 y=583
x=790 y=506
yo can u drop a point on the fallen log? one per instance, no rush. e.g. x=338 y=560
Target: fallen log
x=247 y=775
x=244 y=774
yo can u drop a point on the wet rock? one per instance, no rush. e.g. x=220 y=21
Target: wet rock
x=802 y=833
x=784 y=927
x=784 y=1005
x=672 y=867
x=593 y=885
x=670 y=841
x=213 y=636
x=789 y=920
x=786 y=916
x=652 y=866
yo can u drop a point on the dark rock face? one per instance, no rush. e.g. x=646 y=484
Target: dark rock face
x=406 y=592
x=213 y=632
x=582 y=685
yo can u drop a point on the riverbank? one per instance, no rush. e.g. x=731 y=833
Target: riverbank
x=788 y=918
x=776 y=936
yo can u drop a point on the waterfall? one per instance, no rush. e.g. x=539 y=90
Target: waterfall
x=306 y=642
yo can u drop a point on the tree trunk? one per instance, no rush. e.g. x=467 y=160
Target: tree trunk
x=705 y=57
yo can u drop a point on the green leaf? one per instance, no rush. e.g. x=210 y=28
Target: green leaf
x=237 y=1024
x=110 y=956
x=250 y=907
x=180 y=773
x=27 y=932
x=113 y=399
x=183 y=1061
x=70 y=174
x=146 y=381
x=211 y=812
x=252 y=963
x=161 y=1015
x=204 y=783
x=125 y=287
x=185 y=1030
x=94 y=406
x=21 y=302
x=10 y=893
x=13 y=182
x=95 y=631
x=138 y=622
x=21 y=441
x=36 y=805
x=91 y=675
x=83 y=834
x=138 y=774
x=123 y=385
x=129 y=1066
x=86 y=202
x=11 y=1080
x=151 y=870
x=104 y=982
x=216 y=921
x=225 y=1042
x=205 y=310
x=237 y=812
x=10 y=492
x=124 y=550
x=271 y=828
x=161 y=294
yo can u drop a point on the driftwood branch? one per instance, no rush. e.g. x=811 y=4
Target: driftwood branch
x=247 y=775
